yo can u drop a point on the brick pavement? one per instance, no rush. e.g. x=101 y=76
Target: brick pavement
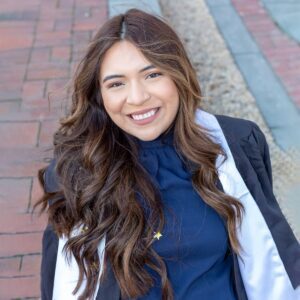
x=282 y=52
x=40 y=43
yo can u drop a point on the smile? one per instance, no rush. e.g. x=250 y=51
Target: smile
x=146 y=115
x=143 y=119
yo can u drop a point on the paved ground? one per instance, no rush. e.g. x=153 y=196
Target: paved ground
x=275 y=26
x=40 y=43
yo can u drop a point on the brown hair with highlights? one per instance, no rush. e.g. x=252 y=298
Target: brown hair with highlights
x=99 y=173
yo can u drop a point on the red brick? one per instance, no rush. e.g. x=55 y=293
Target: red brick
x=15 y=74
x=265 y=26
x=39 y=55
x=10 y=92
x=18 y=244
x=20 y=6
x=50 y=11
x=283 y=51
x=91 y=3
x=56 y=86
x=35 y=103
x=9 y=106
x=61 y=54
x=27 y=287
x=30 y=265
x=14 y=195
x=34 y=114
x=47 y=73
x=9 y=266
x=54 y=35
x=13 y=57
x=287 y=72
x=19 y=134
x=12 y=42
x=63 y=24
x=81 y=37
x=85 y=25
x=36 y=192
x=45 y=25
x=23 y=162
x=22 y=223
x=33 y=90
x=47 y=130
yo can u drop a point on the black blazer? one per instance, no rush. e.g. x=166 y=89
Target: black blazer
x=250 y=151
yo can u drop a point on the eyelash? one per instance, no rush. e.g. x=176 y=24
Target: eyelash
x=117 y=84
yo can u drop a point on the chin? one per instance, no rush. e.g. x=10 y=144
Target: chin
x=146 y=138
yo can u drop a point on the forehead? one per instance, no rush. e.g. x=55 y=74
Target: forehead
x=122 y=57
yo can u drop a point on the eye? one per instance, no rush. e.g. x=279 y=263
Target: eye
x=114 y=85
x=154 y=75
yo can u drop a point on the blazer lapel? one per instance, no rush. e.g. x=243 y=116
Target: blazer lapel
x=252 y=160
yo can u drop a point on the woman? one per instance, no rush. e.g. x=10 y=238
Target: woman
x=148 y=196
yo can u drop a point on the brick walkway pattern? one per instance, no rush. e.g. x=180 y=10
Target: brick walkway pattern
x=282 y=52
x=40 y=43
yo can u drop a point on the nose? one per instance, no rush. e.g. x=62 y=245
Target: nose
x=137 y=94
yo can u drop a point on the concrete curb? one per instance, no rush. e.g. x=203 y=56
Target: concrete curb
x=116 y=7
x=277 y=108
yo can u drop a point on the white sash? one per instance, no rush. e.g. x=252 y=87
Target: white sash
x=261 y=267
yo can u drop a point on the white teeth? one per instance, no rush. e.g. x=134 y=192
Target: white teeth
x=144 y=116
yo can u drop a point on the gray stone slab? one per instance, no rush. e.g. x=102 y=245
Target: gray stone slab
x=287 y=16
x=116 y=7
x=279 y=111
x=232 y=28
x=218 y=2
x=281 y=1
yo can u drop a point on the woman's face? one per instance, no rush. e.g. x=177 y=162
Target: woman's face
x=139 y=98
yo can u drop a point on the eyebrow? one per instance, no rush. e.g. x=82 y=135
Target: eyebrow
x=121 y=76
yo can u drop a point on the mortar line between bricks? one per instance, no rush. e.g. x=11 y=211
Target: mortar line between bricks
x=13 y=178
x=33 y=44
x=21 y=263
x=18 y=121
x=18 y=256
x=38 y=134
x=30 y=195
x=71 y=59
x=56 y=78
x=17 y=276
x=10 y=100
x=21 y=233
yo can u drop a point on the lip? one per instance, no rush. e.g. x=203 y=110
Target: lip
x=140 y=112
x=147 y=120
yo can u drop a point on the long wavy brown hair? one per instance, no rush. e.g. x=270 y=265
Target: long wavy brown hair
x=99 y=173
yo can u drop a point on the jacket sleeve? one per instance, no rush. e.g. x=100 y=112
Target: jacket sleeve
x=256 y=148
x=257 y=152
x=260 y=140
x=50 y=239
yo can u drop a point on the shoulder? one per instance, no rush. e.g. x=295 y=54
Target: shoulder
x=241 y=130
x=239 y=127
x=51 y=182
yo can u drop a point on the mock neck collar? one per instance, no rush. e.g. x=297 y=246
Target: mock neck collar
x=166 y=138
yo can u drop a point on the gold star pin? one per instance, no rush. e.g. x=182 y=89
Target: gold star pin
x=157 y=235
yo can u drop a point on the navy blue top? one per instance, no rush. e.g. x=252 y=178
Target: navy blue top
x=194 y=242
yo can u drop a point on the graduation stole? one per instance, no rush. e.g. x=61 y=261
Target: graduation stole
x=261 y=267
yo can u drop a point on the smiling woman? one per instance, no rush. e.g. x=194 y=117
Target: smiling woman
x=148 y=196
x=143 y=101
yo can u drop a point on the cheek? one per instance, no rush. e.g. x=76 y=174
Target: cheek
x=111 y=103
x=170 y=92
